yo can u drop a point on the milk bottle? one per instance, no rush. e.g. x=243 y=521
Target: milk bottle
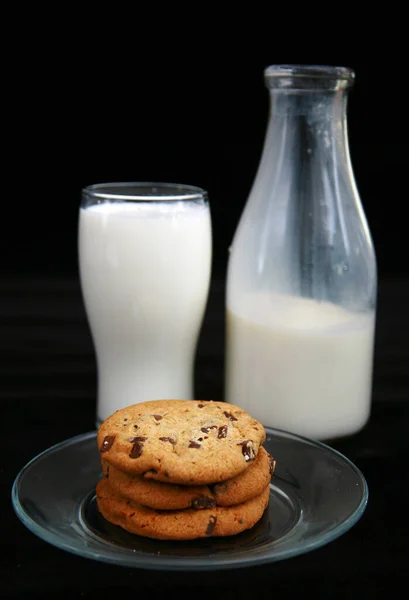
x=301 y=283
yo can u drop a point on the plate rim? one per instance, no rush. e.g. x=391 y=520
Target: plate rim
x=213 y=562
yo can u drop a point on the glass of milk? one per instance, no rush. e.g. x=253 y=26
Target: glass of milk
x=145 y=253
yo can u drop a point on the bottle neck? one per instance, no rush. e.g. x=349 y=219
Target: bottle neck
x=309 y=126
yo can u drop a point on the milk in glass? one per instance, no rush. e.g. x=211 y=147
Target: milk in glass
x=145 y=271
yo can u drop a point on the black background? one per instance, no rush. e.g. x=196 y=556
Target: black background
x=165 y=99
x=110 y=112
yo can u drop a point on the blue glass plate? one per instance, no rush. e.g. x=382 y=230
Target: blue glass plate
x=316 y=495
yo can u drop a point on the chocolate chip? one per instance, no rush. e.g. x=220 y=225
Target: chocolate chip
x=203 y=502
x=211 y=526
x=136 y=426
x=229 y=415
x=272 y=463
x=222 y=432
x=193 y=444
x=131 y=515
x=207 y=429
x=157 y=417
x=247 y=447
x=138 y=438
x=136 y=450
x=200 y=405
x=167 y=439
x=107 y=443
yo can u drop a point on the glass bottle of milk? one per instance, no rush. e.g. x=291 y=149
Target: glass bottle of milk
x=301 y=285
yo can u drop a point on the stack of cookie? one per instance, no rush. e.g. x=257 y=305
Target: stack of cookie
x=183 y=469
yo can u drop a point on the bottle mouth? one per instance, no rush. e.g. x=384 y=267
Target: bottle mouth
x=308 y=77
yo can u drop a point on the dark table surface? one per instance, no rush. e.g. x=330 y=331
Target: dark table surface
x=47 y=392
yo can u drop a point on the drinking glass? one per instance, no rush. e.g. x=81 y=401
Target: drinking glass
x=145 y=254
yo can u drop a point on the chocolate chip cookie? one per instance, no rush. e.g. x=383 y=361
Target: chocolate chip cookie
x=167 y=496
x=184 y=442
x=179 y=524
